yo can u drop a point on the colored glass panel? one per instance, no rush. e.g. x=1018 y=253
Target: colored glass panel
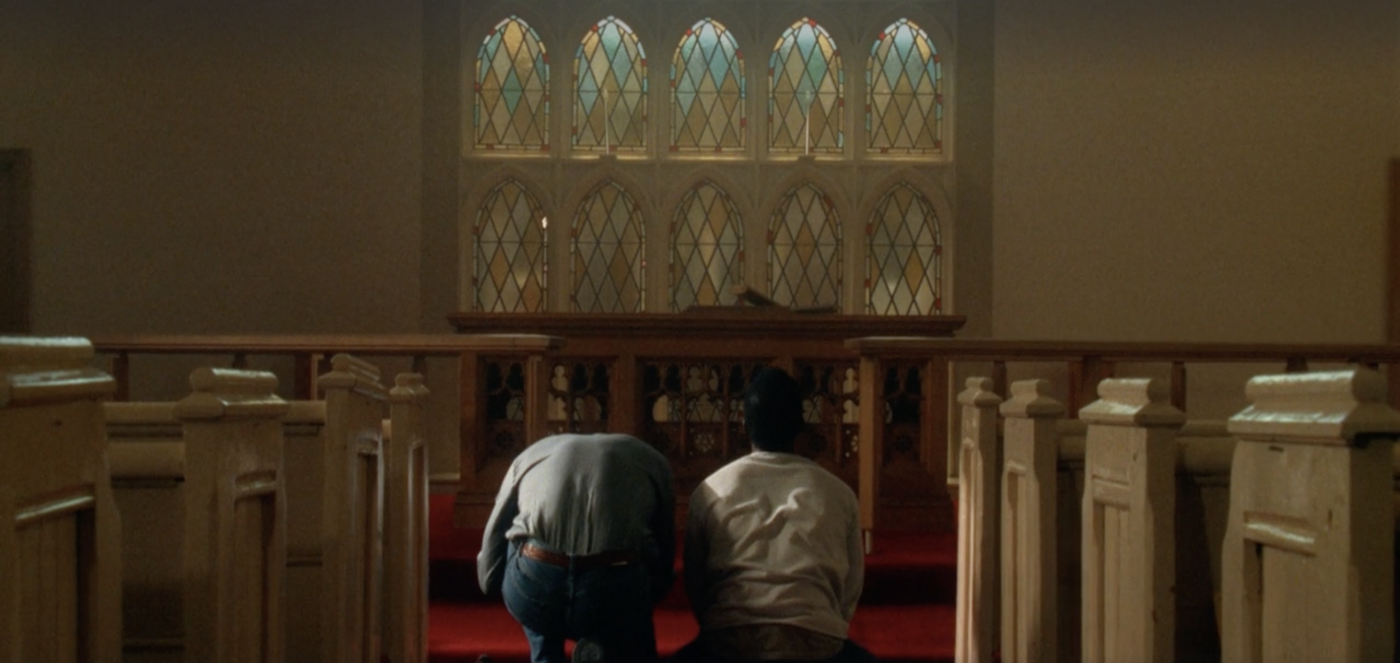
x=510 y=266
x=608 y=263
x=610 y=84
x=707 y=84
x=904 y=274
x=512 y=89
x=707 y=249
x=804 y=249
x=904 y=110
x=805 y=82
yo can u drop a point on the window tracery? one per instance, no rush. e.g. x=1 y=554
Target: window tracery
x=707 y=91
x=608 y=261
x=511 y=250
x=512 y=89
x=904 y=77
x=904 y=258
x=805 y=82
x=707 y=248
x=610 y=89
x=804 y=249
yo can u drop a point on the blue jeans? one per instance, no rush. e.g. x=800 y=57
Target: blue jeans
x=609 y=605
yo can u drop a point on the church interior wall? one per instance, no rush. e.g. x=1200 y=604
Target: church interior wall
x=1143 y=171
x=1195 y=172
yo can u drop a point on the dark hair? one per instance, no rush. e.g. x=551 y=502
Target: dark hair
x=773 y=410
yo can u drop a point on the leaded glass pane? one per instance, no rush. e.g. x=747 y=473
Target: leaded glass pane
x=608 y=262
x=707 y=249
x=806 y=83
x=512 y=89
x=610 y=84
x=904 y=110
x=804 y=249
x=510 y=266
x=707 y=84
x=904 y=275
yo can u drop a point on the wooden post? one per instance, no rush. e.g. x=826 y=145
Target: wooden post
x=870 y=452
x=352 y=512
x=979 y=556
x=1128 y=538
x=1029 y=536
x=1307 y=564
x=537 y=374
x=60 y=535
x=235 y=534
x=406 y=523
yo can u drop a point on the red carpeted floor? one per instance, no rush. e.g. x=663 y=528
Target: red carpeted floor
x=905 y=613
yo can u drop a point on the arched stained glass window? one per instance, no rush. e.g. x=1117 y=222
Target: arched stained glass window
x=610 y=84
x=510 y=267
x=512 y=89
x=804 y=249
x=904 y=274
x=806 y=84
x=707 y=248
x=608 y=263
x=707 y=85
x=904 y=112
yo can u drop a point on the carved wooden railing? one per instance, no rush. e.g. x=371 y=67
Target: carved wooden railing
x=677 y=381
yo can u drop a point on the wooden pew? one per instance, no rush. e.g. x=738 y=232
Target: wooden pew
x=1309 y=550
x=406 y=523
x=200 y=484
x=977 y=619
x=61 y=538
x=336 y=488
x=1043 y=487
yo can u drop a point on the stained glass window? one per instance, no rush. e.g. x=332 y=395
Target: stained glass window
x=904 y=112
x=608 y=262
x=707 y=85
x=806 y=82
x=707 y=248
x=804 y=249
x=904 y=273
x=610 y=81
x=510 y=267
x=512 y=89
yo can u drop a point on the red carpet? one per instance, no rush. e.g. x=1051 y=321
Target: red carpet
x=905 y=613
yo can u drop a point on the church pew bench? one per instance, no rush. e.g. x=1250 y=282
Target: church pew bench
x=61 y=537
x=1042 y=479
x=201 y=485
x=358 y=489
x=1309 y=549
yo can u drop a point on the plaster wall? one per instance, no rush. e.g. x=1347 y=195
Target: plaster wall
x=205 y=167
x=1193 y=171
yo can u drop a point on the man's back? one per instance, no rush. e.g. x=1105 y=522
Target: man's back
x=773 y=538
x=582 y=495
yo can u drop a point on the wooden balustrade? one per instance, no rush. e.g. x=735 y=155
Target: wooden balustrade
x=60 y=541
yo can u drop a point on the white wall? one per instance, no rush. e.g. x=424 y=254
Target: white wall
x=1197 y=171
x=205 y=166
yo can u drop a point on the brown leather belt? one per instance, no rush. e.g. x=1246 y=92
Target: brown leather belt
x=581 y=562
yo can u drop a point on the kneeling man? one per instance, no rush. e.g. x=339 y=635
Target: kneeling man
x=581 y=542
x=773 y=556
